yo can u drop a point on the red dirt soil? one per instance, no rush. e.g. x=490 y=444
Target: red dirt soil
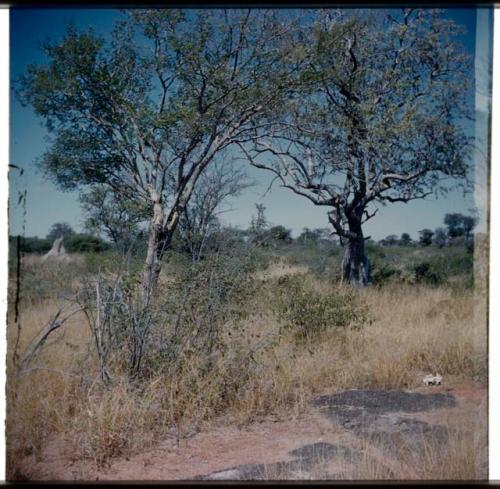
x=223 y=447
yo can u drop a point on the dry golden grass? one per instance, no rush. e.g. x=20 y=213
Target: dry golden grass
x=44 y=396
x=280 y=268
x=414 y=330
x=463 y=456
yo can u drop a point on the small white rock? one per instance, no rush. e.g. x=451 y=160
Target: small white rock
x=433 y=379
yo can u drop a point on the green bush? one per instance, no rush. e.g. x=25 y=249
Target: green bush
x=29 y=245
x=85 y=243
x=439 y=268
x=376 y=251
x=425 y=273
x=308 y=312
x=185 y=320
x=453 y=262
x=110 y=260
x=382 y=273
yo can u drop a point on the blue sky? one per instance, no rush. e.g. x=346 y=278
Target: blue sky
x=47 y=205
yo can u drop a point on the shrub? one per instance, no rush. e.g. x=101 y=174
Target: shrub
x=196 y=306
x=438 y=269
x=375 y=251
x=84 y=243
x=39 y=280
x=29 y=245
x=322 y=259
x=382 y=273
x=183 y=320
x=308 y=312
x=424 y=272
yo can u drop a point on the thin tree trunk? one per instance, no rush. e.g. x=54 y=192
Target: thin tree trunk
x=152 y=265
x=159 y=241
x=355 y=264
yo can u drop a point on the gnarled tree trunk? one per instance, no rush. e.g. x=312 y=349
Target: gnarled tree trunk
x=355 y=264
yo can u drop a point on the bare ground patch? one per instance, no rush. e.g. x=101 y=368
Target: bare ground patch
x=308 y=447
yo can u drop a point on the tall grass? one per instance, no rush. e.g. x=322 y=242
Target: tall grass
x=463 y=456
x=263 y=369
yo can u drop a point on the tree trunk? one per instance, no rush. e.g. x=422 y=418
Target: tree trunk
x=159 y=240
x=152 y=265
x=154 y=255
x=355 y=264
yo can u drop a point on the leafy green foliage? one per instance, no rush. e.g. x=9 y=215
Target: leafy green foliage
x=29 y=245
x=447 y=266
x=405 y=239
x=145 y=111
x=75 y=243
x=116 y=215
x=440 y=237
x=307 y=312
x=459 y=225
x=200 y=301
x=391 y=240
x=279 y=234
x=85 y=243
x=425 y=273
x=184 y=321
x=425 y=238
x=60 y=229
x=383 y=272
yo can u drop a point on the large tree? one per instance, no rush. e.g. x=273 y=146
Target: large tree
x=147 y=110
x=378 y=118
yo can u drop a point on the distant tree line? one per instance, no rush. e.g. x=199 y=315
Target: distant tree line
x=459 y=230
x=73 y=242
x=201 y=230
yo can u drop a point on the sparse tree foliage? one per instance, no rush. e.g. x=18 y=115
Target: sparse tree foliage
x=468 y=224
x=259 y=224
x=200 y=219
x=390 y=240
x=440 y=237
x=115 y=215
x=377 y=118
x=309 y=236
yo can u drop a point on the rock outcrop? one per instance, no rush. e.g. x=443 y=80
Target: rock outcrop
x=385 y=416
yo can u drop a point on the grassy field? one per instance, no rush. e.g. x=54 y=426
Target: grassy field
x=283 y=331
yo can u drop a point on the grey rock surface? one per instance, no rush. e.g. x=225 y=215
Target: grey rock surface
x=386 y=401
x=384 y=417
x=303 y=467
